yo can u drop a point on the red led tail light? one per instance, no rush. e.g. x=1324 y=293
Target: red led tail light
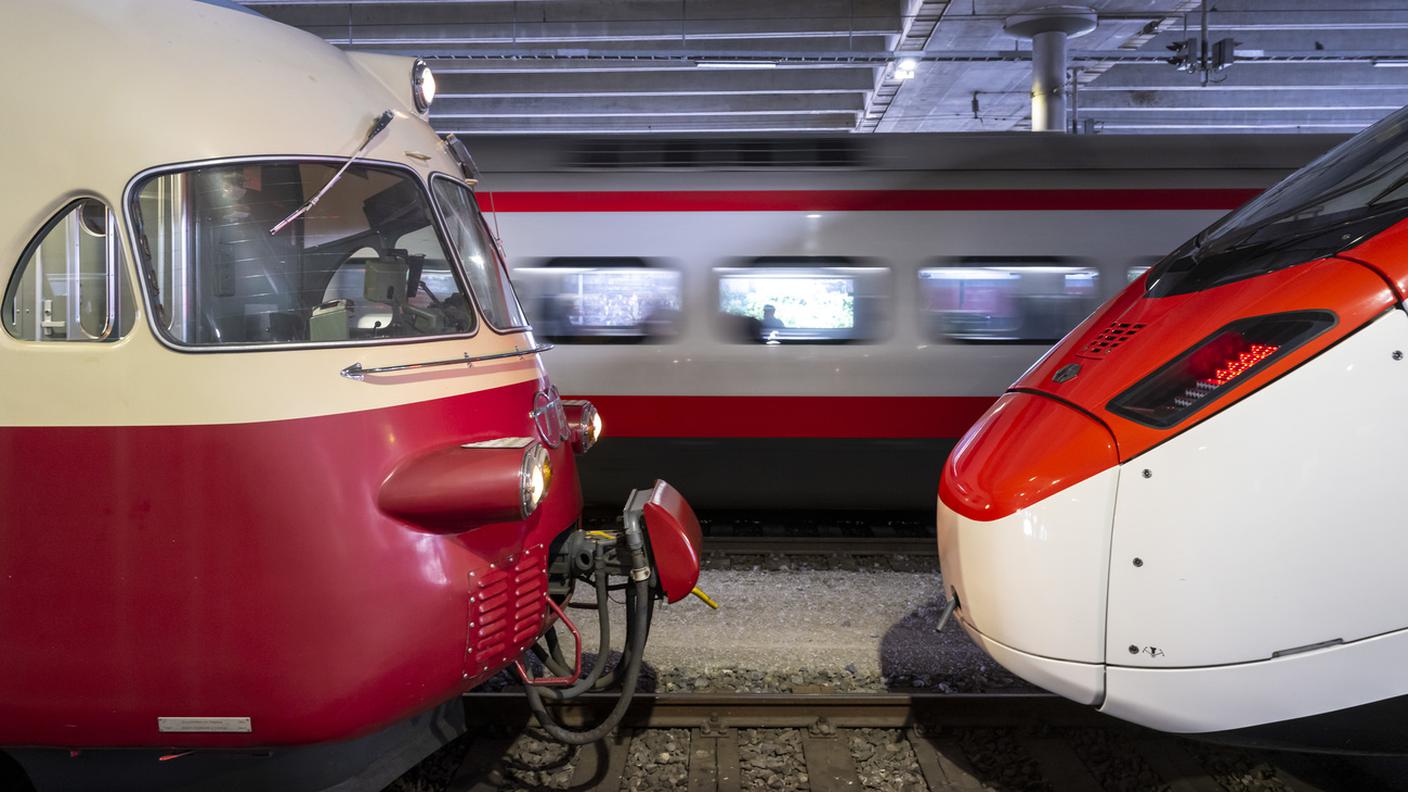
x=1216 y=365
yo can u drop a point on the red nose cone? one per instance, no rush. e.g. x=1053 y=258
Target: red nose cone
x=1025 y=449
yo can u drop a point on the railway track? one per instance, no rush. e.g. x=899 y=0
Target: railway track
x=957 y=743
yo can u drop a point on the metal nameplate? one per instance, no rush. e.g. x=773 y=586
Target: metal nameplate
x=240 y=725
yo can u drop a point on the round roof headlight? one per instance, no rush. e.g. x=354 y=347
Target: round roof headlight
x=422 y=85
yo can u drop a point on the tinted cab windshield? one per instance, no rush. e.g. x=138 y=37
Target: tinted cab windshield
x=366 y=263
x=1351 y=193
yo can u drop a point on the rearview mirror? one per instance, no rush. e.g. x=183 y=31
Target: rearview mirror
x=460 y=152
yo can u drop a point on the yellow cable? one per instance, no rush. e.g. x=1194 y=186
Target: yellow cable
x=699 y=592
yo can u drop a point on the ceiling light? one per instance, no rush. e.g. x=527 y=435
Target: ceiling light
x=1391 y=64
x=904 y=70
x=736 y=64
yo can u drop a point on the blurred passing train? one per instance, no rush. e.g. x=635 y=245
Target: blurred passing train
x=282 y=471
x=823 y=317
x=1187 y=513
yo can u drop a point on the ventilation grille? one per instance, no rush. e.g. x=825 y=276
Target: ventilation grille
x=506 y=607
x=716 y=153
x=1111 y=338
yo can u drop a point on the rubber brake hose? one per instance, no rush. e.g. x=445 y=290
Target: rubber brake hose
x=636 y=629
x=599 y=664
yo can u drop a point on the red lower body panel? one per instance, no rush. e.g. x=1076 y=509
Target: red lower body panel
x=244 y=571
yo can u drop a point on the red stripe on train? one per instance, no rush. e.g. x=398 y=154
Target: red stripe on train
x=790 y=416
x=1221 y=199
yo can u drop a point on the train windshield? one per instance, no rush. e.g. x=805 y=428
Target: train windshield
x=1354 y=191
x=366 y=263
x=479 y=253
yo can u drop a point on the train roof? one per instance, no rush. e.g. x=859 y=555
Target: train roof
x=97 y=92
x=996 y=151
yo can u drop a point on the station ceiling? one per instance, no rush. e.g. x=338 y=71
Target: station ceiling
x=603 y=66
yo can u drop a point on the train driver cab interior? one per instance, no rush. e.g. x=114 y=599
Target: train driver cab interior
x=368 y=262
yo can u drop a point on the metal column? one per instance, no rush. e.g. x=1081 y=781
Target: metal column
x=1050 y=30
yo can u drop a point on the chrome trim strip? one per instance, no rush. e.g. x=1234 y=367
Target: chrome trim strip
x=500 y=442
x=113 y=268
x=357 y=372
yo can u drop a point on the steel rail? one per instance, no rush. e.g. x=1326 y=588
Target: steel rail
x=714 y=711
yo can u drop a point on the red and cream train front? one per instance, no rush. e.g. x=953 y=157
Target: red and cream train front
x=1187 y=513
x=281 y=462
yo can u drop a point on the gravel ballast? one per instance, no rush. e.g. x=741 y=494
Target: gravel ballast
x=885 y=761
x=813 y=630
x=772 y=759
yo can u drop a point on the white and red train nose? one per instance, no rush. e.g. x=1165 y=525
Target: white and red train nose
x=1186 y=514
x=1030 y=581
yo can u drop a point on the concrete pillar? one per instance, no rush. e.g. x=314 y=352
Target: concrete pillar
x=1050 y=30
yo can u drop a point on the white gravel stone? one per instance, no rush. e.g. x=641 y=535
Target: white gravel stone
x=784 y=630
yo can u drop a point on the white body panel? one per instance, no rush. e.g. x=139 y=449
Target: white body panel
x=904 y=363
x=1083 y=683
x=1271 y=544
x=1192 y=700
x=1274 y=525
x=1035 y=580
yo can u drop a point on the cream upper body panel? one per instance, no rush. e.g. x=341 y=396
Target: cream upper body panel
x=97 y=93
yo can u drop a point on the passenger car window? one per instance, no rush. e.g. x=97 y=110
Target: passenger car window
x=817 y=300
x=365 y=263
x=602 y=300
x=987 y=299
x=70 y=284
x=488 y=277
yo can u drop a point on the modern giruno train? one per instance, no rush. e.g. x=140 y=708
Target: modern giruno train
x=282 y=470
x=823 y=317
x=1185 y=513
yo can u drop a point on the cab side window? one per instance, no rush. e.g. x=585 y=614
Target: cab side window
x=602 y=300
x=1011 y=299
x=804 y=300
x=70 y=284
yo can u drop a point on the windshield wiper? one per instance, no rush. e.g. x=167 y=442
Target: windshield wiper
x=382 y=121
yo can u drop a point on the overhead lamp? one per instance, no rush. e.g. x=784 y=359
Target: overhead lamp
x=1391 y=64
x=422 y=85
x=904 y=70
x=735 y=64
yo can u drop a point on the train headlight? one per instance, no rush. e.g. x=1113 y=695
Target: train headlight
x=584 y=422
x=534 y=478
x=1216 y=365
x=422 y=85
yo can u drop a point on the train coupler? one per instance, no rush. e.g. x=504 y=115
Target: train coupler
x=657 y=551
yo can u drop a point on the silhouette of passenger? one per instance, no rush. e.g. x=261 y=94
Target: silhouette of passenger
x=770 y=320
